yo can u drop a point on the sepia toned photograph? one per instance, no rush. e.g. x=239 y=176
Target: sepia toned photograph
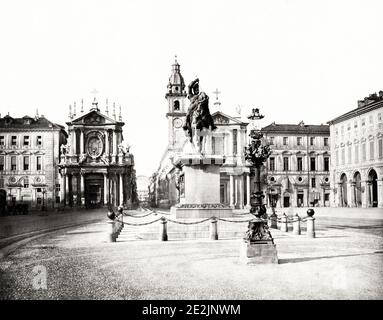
x=206 y=152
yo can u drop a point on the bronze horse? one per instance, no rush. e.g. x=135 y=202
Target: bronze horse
x=198 y=118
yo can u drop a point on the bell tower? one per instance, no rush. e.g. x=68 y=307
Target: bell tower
x=176 y=114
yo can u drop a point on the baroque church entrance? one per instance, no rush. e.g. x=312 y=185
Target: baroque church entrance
x=94 y=190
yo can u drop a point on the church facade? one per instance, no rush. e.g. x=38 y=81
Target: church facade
x=229 y=140
x=96 y=168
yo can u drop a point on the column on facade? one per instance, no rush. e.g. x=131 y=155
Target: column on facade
x=231 y=142
x=380 y=193
x=239 y=146
x=81 y=142
x=364 y=186
x=248 y=190
x=82 y=188
x=369 y=194
x=62 y=187
x=121 y=185
x=67 y=194
x=114 y=146
x=106 y=143
x=340 y=191
x=106 y=189
x=353 y=194
x=74 y=151
x=231 y=191
x=240 y=193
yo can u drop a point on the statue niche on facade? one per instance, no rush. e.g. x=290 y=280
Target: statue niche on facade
x=199 y=121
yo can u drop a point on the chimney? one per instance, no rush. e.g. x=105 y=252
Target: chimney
x=380 y=94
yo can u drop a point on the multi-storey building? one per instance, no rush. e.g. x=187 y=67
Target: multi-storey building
x=29 y=154
x=357 y=155
x=229 y=139
x=96 y=168
x=298 y=169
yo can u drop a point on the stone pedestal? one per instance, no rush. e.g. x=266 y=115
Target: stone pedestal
x=259 y=252
x=200 y=191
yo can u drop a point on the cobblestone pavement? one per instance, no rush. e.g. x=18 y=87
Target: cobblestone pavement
x=341 y=263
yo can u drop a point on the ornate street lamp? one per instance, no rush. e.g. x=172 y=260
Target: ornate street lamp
x=256 y=154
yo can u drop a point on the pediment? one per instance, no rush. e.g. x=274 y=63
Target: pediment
x=221 y=118
x=94 y=118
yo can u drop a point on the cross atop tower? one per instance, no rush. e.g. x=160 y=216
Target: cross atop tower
x=94 y=92
x=216 y=92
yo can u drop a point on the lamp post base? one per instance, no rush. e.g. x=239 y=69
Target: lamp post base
x=258 y=252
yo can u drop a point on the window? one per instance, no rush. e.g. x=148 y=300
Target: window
x=235 y=141
x=2 y=140
x=13 y=163
x=341 y=129
x=1 y=163
x=372 y=147
x=312 y=140
x=1 y=182
x=348 y=126
x=38 y=163
x=271 y=139
x=363 y=122
x=57 y=187
x=364 y=152
x=337 y=157
x=13 y=140
x=370 y=119
x=313 y=183
x=312 y=163
x=379 y=117
x=299 y=141
x=26 y=163
x=326 y=163
x=300 y=163
x=272 y=163
x=26 y=182
x=349 y=154
x=26 y=141
x=39 y=140
x=343 y=156
x=356 y=154
x=176 y=105
x=285 y=164
x=355 y=124
x=325 y=142
x=285 y=141
x=58 y=200
x=380 y=148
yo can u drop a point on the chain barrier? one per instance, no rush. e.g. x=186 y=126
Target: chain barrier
x=139 y=224
x=235 y=221
x=137 y=216
x=188 y=223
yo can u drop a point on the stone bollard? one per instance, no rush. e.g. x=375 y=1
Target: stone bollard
x=284 y=226
x=111 y=231
x=163 y=231
x=310 y=223
x=213 y=229
x=273 y=221
x=297 y=225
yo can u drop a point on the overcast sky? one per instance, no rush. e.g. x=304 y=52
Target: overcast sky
x=296 y=60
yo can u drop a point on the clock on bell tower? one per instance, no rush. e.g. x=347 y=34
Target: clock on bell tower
x=176 y=97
